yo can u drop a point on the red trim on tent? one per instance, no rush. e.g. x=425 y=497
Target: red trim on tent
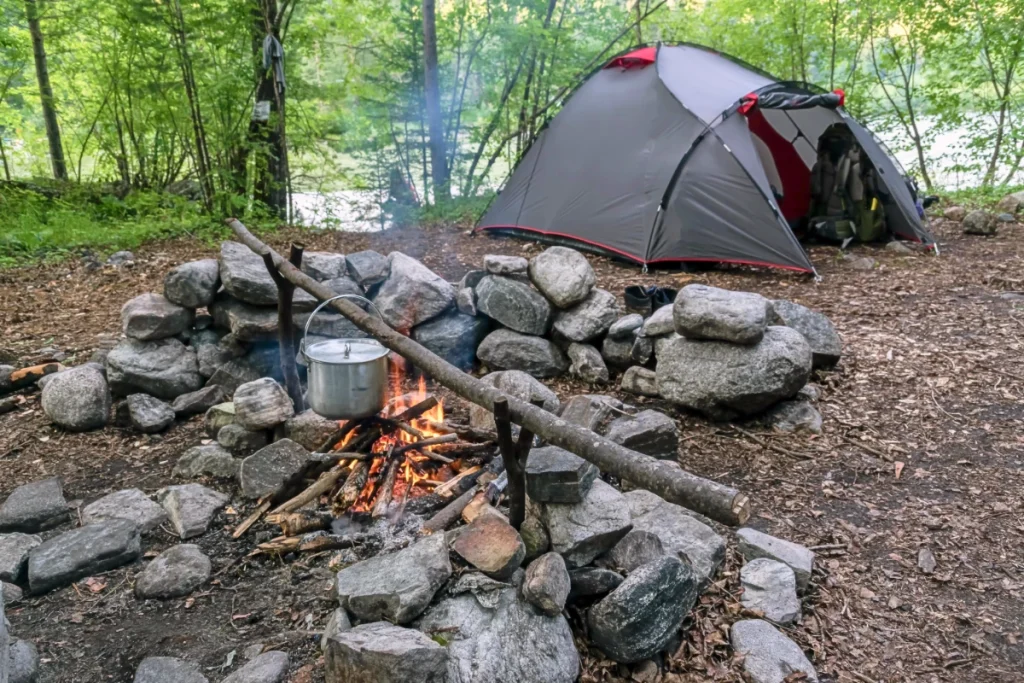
x=639 y=260
x=793 y=172
x=747 y=102
x=636 y=58
x=842 y=96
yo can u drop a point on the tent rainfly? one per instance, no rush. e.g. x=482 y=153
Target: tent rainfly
x=664 y=156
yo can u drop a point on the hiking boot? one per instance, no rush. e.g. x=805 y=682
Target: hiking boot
x=638 y=300
x=663 y=296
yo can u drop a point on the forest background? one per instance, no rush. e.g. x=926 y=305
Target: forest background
x=125 y=120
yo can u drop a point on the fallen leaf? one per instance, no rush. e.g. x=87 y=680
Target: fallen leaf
x=898 y=466
x=926 y=560
x=189 y=602
x=94 y=584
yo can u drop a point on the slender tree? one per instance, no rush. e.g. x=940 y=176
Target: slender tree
x=432 y=102
x=60 y=171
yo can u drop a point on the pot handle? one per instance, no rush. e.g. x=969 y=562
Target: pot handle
x=305 y=331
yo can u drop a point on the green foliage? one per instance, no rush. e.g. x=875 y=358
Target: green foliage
x=461 y=212
x=980 y=197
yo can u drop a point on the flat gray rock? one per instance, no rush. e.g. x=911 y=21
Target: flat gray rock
x=793 y=416
x=546 y=585
x=725 y=381
x=490 y=544
x=412 y=293
x=245 y=276
x=81 y=552
x=380 y=652
x=324 y=265
x=514 y=304
x=590 y=410
x=505 y=349
x=563 y=275
x=453 y=336
x=262 y=404
x=14 y=549
x=617 y=353
x=640 y=381
x=210 y=460
x=264 y=471
x=513 y=383
x=649 y=432
x=397 y=586
x=754 y=544
x=191 y=507
x=636 y=549
x=368 y=268
x=681 y=533
x=554 y=475
x=582 y=531
x=150 y=316
x=147 y=414
x=12 y=594
x=168 y=670
x=174 y=573
x=496 y=264
x=309 y=430
x=626 y=327
x=817 y=329
x=638 y=619
x=586 y=363
x=194 y=284
x=196 y=402
x=36 y=506
x=77 y=399
x=495 y=637
x=24 y=662
x=590 y=582
x=164 y=368
x=770 y=588
x=337 y=623
x=768 y=655
x=246 y=322
x=588 y=319
x=269 y=667
x=130 y=504
x=660 y=323
x=703 y=312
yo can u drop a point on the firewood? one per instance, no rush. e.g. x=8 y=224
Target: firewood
x=386 y=486
x=26 y=377
x=325 y=483
x=446 y=488
x=721 y=503
x=316 y=542
x=349 y=493
x=337 y=437
x=463 y=431
x=449 y=514
x=303 y=522
x=263 y=506
x=365 y=441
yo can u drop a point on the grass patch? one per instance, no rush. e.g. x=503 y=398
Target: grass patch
x=979 y=197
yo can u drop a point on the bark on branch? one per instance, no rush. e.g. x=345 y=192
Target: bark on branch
x=717 y=501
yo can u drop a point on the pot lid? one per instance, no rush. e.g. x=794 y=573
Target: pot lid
x=346 y=351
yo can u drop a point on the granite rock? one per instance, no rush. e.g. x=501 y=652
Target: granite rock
x=193 y=284
x=81 y=552
x=130 y=504
x=150 y=316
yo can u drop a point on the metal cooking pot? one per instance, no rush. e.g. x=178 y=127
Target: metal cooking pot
x=348 y=378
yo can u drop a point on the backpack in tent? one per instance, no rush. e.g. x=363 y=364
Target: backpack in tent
x=679 y=154
x=845 y=200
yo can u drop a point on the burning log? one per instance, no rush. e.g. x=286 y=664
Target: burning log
x=717 y=501
x=349 y=492
x=387 y=485
x=367 y=440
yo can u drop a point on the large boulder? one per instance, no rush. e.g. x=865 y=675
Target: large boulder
x=768 y=655
x=725 y=380
x=640 y=381
x=547 y=584
x=1012 y=203
x=507 y=350
x=554 y=475
x=396 y=587
x=380 y=652
x=200 y=401
x=618 y=353
x=661 y=322
x=245 y=276
x=308 y=429
x=517 y=384
x=627 y=326
x=81 y=552
x=703 y=312
x=147 y=414
x=491 y=545
x=681 y=533
x=514 y=304
x=151 y=316
x=638 y=619
x=980 y=222
x=194 y=284
x=818 y=330
x=262 y=404
x=36 y=506
x=263 y=472
x=453 y=336
x=164 y=368
x=579 y=532
x=247 y=323
x=324 y=265
x=368 y=268
x=649 y=432
x=587 y=364
x=495 y=637
x=590 y=318
x=412 y=293
x=497 y=264
x=564 y=275
x=78 y=399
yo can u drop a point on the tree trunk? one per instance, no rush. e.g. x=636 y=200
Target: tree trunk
x=432 y=102
x=60 y=171
x=267 y=127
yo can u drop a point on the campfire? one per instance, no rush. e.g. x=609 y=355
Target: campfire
x=408 y=460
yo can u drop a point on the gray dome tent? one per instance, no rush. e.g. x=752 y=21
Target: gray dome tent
x=664 y=156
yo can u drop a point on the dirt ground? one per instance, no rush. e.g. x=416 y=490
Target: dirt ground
x=923 y=448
